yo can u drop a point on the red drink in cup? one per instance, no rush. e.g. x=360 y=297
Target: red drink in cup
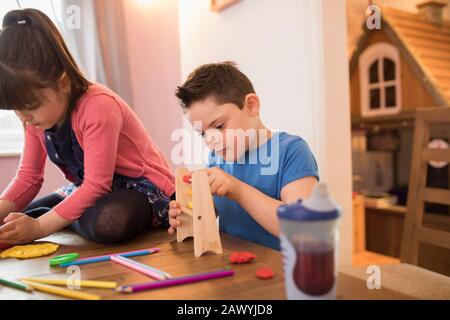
x=314 y=270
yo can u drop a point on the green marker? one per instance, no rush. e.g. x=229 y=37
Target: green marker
x=16 y=285
x=65 y=258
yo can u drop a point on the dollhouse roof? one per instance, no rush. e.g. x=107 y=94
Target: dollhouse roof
x=423 y=44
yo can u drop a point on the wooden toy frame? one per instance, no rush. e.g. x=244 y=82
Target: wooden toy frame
x=199 y=221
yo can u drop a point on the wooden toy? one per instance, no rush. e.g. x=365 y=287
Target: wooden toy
x=198 y=219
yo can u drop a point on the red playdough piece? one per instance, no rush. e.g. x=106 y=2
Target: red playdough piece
x=265 y=273
x=242 y=257
x=4 y=246
x=187 y=178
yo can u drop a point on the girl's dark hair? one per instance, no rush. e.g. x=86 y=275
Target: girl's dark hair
x=33 y=56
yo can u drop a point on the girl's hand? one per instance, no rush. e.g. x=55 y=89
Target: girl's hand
x=174 y=212
x=223 y=184
x=19 y=229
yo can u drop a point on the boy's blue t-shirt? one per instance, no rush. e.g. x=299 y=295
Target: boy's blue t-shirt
x=282 y=159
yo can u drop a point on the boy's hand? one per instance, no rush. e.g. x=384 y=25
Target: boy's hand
x=19 y=229
x=174 y=212
x=223 y=184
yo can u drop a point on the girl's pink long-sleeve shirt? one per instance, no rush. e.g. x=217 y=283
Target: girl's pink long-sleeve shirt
x=113 y=140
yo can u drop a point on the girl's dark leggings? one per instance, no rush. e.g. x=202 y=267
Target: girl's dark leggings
x=116 y=217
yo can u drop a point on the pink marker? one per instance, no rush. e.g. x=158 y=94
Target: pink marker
x=142 y=268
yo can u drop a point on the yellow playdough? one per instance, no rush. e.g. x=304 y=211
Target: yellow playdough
x=29 y=251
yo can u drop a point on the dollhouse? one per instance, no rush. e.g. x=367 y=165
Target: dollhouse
x=395 y=70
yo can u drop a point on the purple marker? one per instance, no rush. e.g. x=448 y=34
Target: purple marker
x=175 y=281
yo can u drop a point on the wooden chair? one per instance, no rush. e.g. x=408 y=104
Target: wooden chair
x=362 y=257
x=414 y=231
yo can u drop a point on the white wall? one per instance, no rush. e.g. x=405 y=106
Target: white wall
x=263 y=37
x=294 y=51
x=336 y=142
x=153 y=52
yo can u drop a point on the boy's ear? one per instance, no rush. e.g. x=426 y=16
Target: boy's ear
x=64 y=83
x=252 y=104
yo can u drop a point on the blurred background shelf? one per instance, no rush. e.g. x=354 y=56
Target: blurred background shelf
x=378 y=235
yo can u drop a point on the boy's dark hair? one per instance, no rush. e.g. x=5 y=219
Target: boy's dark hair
x=221 y=81
x=33 y=56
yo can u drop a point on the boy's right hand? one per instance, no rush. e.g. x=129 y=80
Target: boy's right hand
x=174 y=212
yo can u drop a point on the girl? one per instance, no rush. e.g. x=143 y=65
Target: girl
x=120 y=182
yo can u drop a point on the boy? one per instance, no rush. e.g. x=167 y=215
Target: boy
x=221 y=103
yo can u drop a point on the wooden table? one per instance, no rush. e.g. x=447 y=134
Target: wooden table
x=177 y=259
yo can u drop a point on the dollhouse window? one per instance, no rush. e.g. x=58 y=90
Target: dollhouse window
x=379 y=71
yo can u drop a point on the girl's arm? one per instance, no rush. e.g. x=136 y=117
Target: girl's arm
x=30 y=174
x=51 y=222
x=6 y=207
x=20 y=228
